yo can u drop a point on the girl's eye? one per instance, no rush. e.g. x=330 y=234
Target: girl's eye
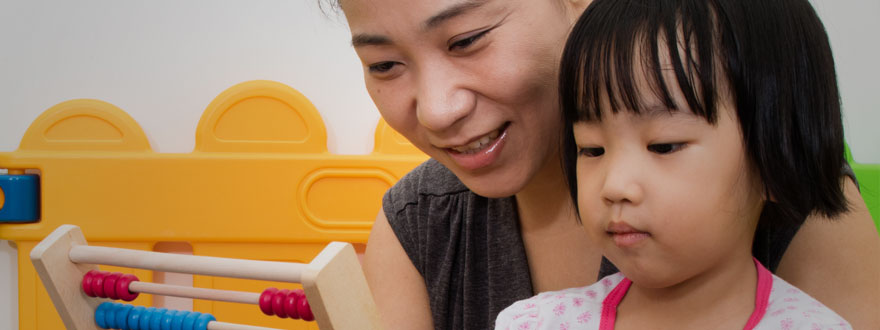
x=665 y=148
x=592 y=151
x=466 y=42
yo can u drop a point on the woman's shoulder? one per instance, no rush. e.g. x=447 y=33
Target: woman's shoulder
x=429 y=178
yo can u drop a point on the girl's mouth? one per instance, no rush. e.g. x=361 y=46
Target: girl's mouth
x=625 y=235
x=628 y=239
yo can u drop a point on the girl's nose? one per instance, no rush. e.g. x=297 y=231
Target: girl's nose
x=441 y=100
x=622 y=182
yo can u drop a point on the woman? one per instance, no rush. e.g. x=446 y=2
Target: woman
x=488 y=221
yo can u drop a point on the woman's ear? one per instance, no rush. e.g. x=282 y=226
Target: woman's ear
x=578 y=7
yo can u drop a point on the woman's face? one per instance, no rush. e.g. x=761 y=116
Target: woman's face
x=472 y=83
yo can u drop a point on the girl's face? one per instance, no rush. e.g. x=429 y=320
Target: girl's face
x=668 y=195
x=472 y=83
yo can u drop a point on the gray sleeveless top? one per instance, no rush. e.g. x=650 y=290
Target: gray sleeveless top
x=469 y=250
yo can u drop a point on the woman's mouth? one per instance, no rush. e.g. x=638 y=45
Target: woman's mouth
x=481 y=151
x=479 y=144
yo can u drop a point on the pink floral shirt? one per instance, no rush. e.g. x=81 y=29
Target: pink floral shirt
x=778 y=306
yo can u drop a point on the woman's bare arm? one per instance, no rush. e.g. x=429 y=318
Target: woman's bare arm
x=398 y=288
x=837 y=261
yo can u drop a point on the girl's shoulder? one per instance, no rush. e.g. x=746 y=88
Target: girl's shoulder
x=573 y=308
x=790 y=308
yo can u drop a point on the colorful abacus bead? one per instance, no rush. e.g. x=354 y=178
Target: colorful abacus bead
x=110 y=315
x=103 y=284
x=286 y=303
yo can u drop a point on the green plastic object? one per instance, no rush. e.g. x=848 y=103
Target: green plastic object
x=869 y=185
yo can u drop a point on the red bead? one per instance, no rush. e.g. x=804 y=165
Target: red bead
x=278 y=303
x=290 y=303
x=88 y=278
x=110 y=285
x=266 y=301
x=98 y=284
x=305 y=311
x=122 y=287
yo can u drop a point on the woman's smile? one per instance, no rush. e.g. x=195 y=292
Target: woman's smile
x=481 y=152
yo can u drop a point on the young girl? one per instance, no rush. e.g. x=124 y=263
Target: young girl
x=689 y=124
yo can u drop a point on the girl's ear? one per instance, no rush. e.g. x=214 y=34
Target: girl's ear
x=768 y=197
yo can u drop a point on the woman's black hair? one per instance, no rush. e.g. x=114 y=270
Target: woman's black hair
x=772 y=55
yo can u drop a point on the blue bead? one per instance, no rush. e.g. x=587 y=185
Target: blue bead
x=202 y=321
x=144 y=323
x=134 y=317
x=156 y=319
x=110 y=316
x=122 y=317
x=177 y=322
x=99 y=314
x=189 y=322
x=167 y=319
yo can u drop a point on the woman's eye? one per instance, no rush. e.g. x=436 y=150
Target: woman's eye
x=381 y=67
x=385 y=70
x=464 y=43
x=665 y=148
x=592 y=151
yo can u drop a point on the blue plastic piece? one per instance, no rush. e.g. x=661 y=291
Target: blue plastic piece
x=20 y=198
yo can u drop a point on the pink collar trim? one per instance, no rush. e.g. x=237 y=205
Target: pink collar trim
x=762 y=297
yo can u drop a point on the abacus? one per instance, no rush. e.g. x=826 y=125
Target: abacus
x=335 y=292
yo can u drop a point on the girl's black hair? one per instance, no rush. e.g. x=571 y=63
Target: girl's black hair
x=772 y=55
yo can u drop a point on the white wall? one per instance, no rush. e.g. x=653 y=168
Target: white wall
x=163 y=61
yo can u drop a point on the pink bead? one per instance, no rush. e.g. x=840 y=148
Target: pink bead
x=278 y=303
x=290 y=303
x=266 y=301
x=305 y=311
x=98 y=284
x=122 y=287
x=110 y=285
x=88 y=278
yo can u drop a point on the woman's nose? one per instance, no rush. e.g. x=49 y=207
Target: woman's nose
x=442 y=100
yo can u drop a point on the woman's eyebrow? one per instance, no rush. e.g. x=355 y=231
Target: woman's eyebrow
x=361 y=39
x=451 y=12
x=455 y=10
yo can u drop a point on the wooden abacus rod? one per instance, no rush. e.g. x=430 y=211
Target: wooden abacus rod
x=195 y=293
x=181 y=263
x=215 y=325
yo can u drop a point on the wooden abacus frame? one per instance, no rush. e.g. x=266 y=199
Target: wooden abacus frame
x=333 y=282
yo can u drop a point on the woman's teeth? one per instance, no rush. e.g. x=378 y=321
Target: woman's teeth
x=477 y=145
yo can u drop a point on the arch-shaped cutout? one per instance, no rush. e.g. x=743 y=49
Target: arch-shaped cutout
x=328 y=201
x=261 y=116
x=85 y=125
x=389 y=141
